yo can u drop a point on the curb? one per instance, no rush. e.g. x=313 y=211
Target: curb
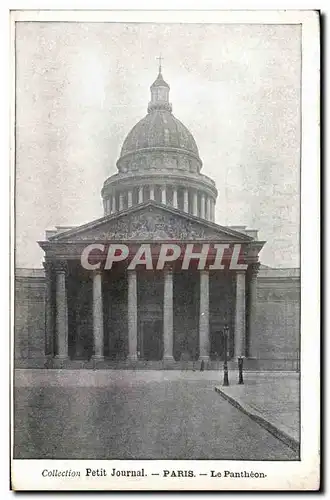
x=257 y=417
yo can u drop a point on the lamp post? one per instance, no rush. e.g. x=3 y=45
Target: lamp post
x=225 y=364
x=240 y=370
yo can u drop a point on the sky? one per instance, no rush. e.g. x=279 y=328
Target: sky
x=81 y=87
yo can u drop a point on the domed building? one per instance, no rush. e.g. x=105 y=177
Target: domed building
x=156 y=282
x=159 y=161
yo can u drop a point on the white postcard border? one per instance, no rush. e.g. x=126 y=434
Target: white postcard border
x=27 y=474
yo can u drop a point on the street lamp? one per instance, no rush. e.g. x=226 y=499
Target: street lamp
x=240 y=370
x=225 y=364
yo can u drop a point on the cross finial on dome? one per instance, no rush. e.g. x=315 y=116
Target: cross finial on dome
x=160 y=58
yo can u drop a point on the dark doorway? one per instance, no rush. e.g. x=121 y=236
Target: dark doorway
x=186 y=315
x=217 y=345
x=151 y=340
x=80 y=316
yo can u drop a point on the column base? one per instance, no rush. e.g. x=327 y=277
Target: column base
x=59 y=362
x=132 y=357
x=168 y=358
x=97 y=357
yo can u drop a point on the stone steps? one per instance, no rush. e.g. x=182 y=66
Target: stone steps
x=249 y=364
x=137 y=365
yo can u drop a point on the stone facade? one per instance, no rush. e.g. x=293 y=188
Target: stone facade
x=70 y=315
x=277 y=333
x=273 y=345
x=66 y=313
x=29 y=327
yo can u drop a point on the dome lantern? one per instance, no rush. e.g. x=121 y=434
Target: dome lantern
x=159 y=93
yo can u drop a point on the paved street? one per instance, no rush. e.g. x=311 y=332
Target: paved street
x=141 y=415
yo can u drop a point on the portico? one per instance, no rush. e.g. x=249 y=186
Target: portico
x=169 y=315
x=155 y=279
x=164 y=312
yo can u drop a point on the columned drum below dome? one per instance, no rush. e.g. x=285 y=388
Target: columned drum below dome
x=160 y=161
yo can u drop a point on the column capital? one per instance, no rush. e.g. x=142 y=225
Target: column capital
x=48 y=266
x=96 y=272
x=61 y=266
x=241 y=272
x=254 y=268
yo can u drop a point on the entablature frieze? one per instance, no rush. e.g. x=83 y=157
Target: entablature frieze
x=59 y=254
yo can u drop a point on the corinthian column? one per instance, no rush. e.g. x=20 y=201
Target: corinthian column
x=129 y=199
x=98 y=315
x=240 y=314
x=208 y=208
x=175 y=198
x=195 y=203
x=204 y=327
x=185 y=201
x=168 y=315
x=141 y=194
x=164 y=195
x=132 y=316
x=203 y=206
x=61 y=311
x=121 y=201
x=212 y=210
x=252 y=313
x=113 y=208
x=49 y=311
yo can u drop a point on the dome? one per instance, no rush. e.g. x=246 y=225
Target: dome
x=159 y=129
x=159 y=141
x=159 y=161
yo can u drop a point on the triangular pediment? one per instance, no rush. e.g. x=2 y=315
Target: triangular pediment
x=151 y=221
